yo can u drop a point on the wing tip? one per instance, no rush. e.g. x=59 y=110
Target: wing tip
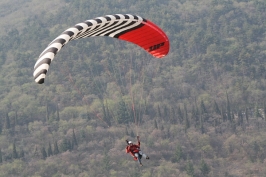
x=41 y=81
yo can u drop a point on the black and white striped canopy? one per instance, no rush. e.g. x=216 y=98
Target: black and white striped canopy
x=126 y=27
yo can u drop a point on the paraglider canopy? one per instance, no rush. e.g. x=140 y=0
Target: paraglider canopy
x=131 y=28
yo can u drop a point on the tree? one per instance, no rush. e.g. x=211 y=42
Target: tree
x=172 y=115
x=16 y=118
x=1 y=127
x=107 y=120
x=256 y=148
x=264 y=110
x=57 y=113
x=165 y=112
x=21 y=154
x=194 y=115
x=228 y=108
x=178 y=154
x=189 y=168
x=14 y=152
x=36 y=152
x=246 y=115
x=155 y=124
x=180 y=114
x=74 y=140
x=216 y=108
x=65 y=145
x=106 y=112
x=7 y=123
x=49 y=150
x=240 y=118
x=132 y=134
x=106 y=161
x=257 y=112
x=56 y=150
x=47 y=110
x=203 y=107
x=159 y=111
x=122 y=112
x=126 y=132
x=1 y=158
x=44 y=154
x=187 y=123
x=70 y=145
x=223 y=114
x=201 y=125
x=204 y=168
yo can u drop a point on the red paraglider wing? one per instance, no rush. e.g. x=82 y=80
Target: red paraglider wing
x=150 y=37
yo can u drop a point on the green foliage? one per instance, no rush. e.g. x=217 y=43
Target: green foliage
x=216 y=108
x=7 y=122
x=178 y=155
x=1 y=158
x=56 y=149
x=44 y=154
x=204 y=168
x=187 y=123
x=49 y=150
x=106 y=162
x=14 y=152
x=155 y=124
x=217 y=53
x=190 y=168
x=159 y=111
x=203 y=107
x=21 y=154
x=74 y=140
x=65 y=145
x=122 y=113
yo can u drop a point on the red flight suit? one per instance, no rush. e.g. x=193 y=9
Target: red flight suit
x=133 y=149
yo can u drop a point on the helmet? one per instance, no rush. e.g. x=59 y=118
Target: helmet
x=130 y=142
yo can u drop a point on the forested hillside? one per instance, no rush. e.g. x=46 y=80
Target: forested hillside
x=200 y=111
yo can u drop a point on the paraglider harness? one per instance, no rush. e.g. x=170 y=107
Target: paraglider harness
x=136 y=150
